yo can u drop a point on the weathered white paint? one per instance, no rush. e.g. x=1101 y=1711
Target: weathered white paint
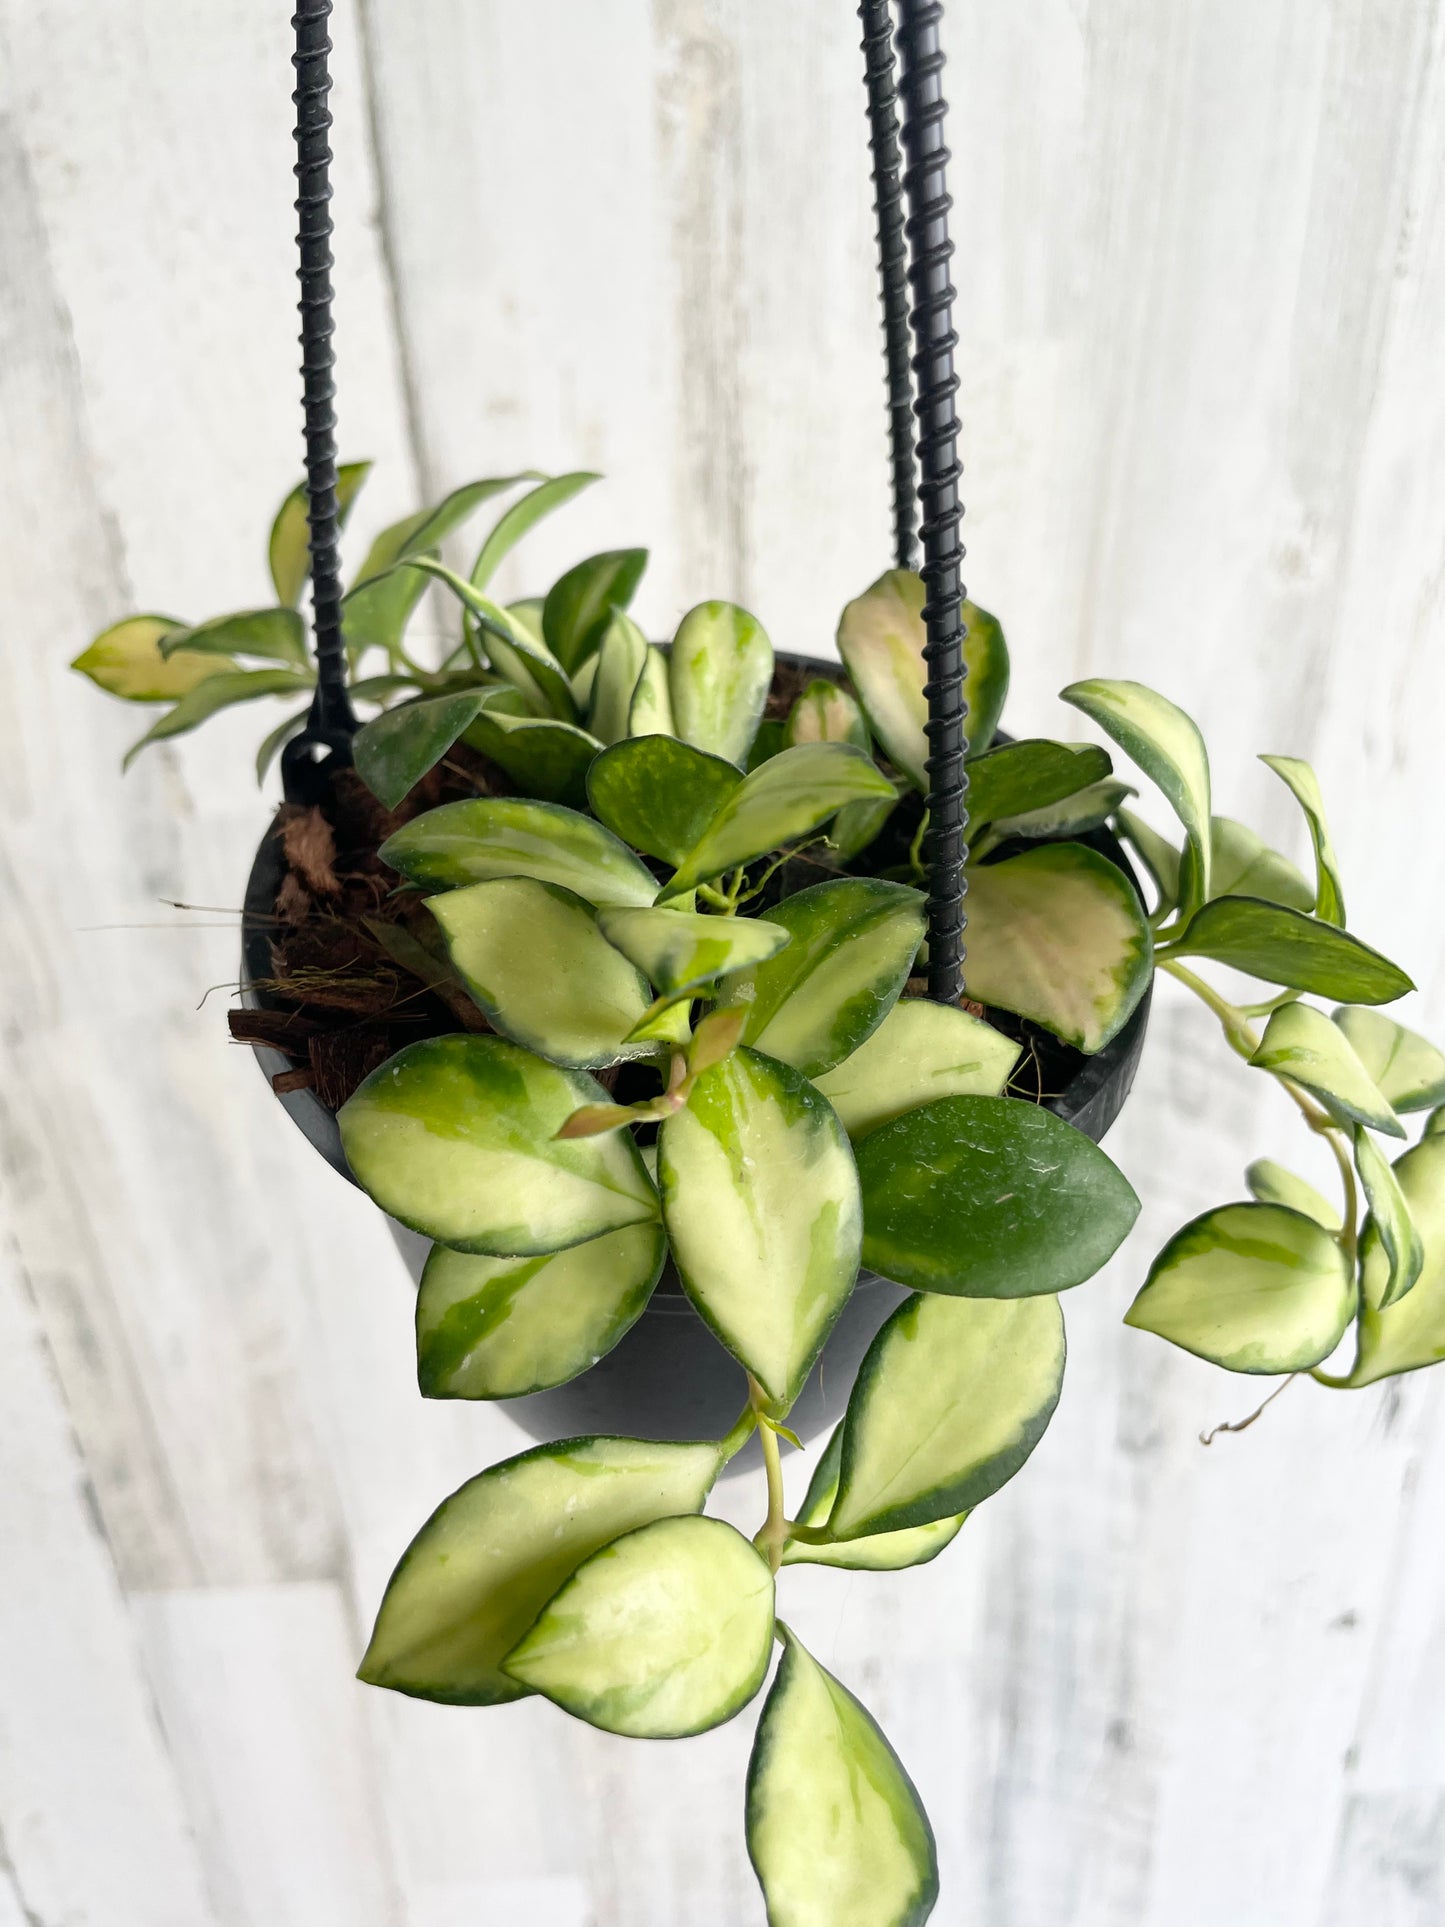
x=1202 y=292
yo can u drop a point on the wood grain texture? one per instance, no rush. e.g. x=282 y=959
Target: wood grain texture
x=1201 y=295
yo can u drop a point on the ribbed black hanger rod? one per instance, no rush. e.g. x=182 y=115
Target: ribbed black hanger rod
x=877 y=18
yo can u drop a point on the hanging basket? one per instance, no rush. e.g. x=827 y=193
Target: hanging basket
x=669 y=1377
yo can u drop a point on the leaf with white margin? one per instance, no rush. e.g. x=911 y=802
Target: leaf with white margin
x=288 y=549
x=508 y=836
x=457 y=1137
x=533 y=958
x=920 y=1052
x=1243 y=865
x=580 y=604
x=1253 y=1287
x=881 y=638
x=126 y=661
x=790 y=796
x=396 y=749
x=1301 y=1043
x=1286 y=947
x=1390 y=1220
x=879 y=1551
x=1167 y=746
x=836 y=1831
x=1305 y=788
x=1271 y=1183
x=523 y=516
x=1058 y=934
x=664 y=1633
x=544 y=758
x=679 y=951
x=1405 y=1068
x=1411 y=1333
x=989 y=1197
x=502 y=1327
x=760 y=1199
x=952 y=1397
x=269 y=635
x=490 y=1557
x=1017 y=777
x=527 y=664
x=377 y=607
x=1088 y=809
x=658 y=794
x=1157 y=854
x=853 y=945
x=621 y=656
x=650 y=711
x=719 y=672
x=827 y=713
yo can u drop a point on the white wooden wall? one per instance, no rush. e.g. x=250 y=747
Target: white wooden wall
x=1203 y=312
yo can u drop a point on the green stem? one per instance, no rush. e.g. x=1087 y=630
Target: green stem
x=774 y=1532
x=915 y=848
x=742 y=1430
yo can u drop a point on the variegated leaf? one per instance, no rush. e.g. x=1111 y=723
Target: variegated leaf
x=1287 y=947
x=1302 y=1044
x=1407 y=1070
x=397 y=748
x=1271 y=1183
x=126 y=660
x=621 y=656
x=288 y=549
x=920 y=1052
x=580 y=604
x=1017 y=777
x=650 y=711
x=679 y=951
x=719 y=673
x=660 y=795
x=1411 y=1333
x=1243 y=865
x=506 y=836
x=879 y=1551
x=1304 y=786
x=523 y=516
x=1391 y=1222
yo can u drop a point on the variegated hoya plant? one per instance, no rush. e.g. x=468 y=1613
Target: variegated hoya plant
x=683 y=889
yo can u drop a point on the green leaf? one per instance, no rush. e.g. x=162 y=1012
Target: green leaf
x=457 y=1137
x=952 y=1397
x=1058 y=934
x=836 y=1832
x=853 y=945
x=1391 y=1224
x=1410 y=1333
x=289 y=549
x=621 y=657
x=206 y=698
x=791 y=795
x=377 y=607
x=490 y=1557
x=281 y=735
x=1167 y=746
x=650 y=713
x=580 y=603
x=532 y=956
x=989 y=1197
x=880 y=1551
x=1252 y=1287
x=126 y=660
x=760 y=1198
x=1271 y=1183
x=273 y=635
x=1243 y=865
x=508 y=836
x=663 y=1633
x=1405 y=1068
x=1087 y=809
x=1018 y=777
x=522 y=517
x=658 y=794
x=719 y=673
x=527 y=613
x=503 y=1327
x=1304 y=785
x=396 y=749
x=1286 y=947
x=1435 y=1123
x=881 y=638
x=1158 y=855
x=921 y=1051
x=1302 y=1044
x=527 y=665
x=544 y=758
x=679 y=951
x=766 y=744
x=827 y=713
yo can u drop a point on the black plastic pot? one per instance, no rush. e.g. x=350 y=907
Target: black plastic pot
x=669 y=1377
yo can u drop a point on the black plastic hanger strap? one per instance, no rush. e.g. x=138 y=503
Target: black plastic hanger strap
x=877 y=18
x=930 y=256
x=332 y=722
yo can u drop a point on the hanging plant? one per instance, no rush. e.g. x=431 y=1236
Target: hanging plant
x=605 y=956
